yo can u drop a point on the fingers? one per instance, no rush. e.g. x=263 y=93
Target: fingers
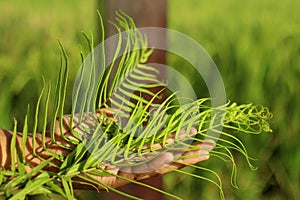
x=195 y=156
x=148 y=169
x=160 y=155
x=154 y=164
x=181 y=136
x=190 y=157
x=183 y=155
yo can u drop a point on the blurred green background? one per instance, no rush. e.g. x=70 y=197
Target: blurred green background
x=255 y=44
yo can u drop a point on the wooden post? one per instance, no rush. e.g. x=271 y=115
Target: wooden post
x=146 y=13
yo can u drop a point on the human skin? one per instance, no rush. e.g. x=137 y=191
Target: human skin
x=158 y=166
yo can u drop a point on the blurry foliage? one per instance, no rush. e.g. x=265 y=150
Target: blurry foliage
x=255 y=44
x=29 y=31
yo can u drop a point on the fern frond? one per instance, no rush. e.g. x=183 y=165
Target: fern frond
x=96 y=142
